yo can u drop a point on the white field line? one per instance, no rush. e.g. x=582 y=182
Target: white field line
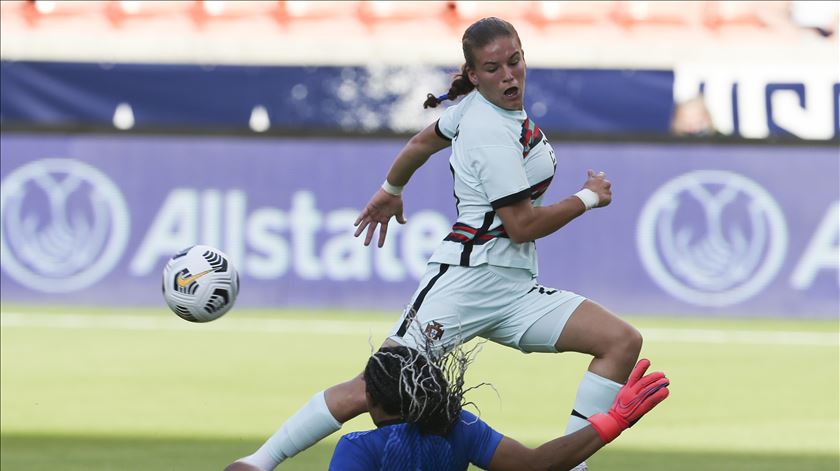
x=334 y=327
x=172 y=323
x=755 y=337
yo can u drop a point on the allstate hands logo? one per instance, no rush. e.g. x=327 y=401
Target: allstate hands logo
x=712 y=238
x=63 y=225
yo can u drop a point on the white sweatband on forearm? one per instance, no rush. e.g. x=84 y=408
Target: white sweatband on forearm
x=590 y=198
x=392 y=189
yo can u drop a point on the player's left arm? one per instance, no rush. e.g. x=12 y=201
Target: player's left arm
x=523 y=222
x=561 y=453
x=635 y=399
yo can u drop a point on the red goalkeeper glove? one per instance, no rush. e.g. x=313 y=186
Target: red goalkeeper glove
x=634 y=399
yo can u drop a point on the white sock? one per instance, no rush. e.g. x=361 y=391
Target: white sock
x=595 y=395
x=305 y=428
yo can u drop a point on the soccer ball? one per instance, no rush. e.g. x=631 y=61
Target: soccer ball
x=200 y=284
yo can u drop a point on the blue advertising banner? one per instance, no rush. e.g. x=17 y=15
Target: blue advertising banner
x=359 y=98
x=749 y=100
x=728 y=230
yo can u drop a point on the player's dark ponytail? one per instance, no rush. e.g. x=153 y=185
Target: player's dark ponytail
x=461 y=85
x=478 y=35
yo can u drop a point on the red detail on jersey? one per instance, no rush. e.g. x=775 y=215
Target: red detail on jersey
x=465 y=228
x=531 y=136
x=455 y=236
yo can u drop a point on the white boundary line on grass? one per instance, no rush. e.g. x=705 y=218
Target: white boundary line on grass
x=336 y=327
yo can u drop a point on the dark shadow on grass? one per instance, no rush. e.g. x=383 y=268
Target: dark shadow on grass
x=100 y=453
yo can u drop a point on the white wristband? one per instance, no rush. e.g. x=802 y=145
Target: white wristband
x=590 y=198
x=392 y=189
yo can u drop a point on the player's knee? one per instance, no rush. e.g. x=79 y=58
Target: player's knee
x=634 y=341
x=626 y=342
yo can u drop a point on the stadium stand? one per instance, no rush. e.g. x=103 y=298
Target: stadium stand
x=161 y=15
x=688 y=14
x=394 y=29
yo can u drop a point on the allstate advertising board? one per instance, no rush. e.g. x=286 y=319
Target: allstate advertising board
x=725 y=230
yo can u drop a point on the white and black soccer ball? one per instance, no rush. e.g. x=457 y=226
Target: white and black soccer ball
x=200 y=283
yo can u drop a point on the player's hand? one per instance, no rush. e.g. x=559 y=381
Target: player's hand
x=379 y=210
x=634 y=399
x=597 y=182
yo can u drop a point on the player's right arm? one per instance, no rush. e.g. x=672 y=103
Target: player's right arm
x=384 y=205
x=635 y=399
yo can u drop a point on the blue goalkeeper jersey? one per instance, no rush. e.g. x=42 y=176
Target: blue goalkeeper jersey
x=401 y=447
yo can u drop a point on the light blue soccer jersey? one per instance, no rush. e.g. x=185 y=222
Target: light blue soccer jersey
x=498 y=157
x=401 y=447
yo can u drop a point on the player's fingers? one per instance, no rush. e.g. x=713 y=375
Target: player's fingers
x=638 y=371
x=658 y=396
x=400 y=218
x=362 y=216
x=369 y=235
x=650 y=378
x=590 y=173
x=383 y=231
x=360 y=226
x=649 y=384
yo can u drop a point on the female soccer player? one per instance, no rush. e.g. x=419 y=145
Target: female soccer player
x=481 y=281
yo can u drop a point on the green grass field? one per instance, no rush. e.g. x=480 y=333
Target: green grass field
x=97 y=389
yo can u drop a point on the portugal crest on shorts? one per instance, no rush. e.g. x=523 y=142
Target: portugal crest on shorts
x=434 y=330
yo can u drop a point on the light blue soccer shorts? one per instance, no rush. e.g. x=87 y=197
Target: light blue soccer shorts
x=454 y=304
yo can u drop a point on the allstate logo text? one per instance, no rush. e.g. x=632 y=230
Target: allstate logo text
x=63 y=225
x=712 y=238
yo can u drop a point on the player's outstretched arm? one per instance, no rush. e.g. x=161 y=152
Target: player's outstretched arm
x=635 y=399
x=387 y=201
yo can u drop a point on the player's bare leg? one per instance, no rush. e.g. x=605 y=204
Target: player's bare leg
x=613 y=343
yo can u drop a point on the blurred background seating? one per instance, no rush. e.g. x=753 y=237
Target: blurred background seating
x=392 y=50
x=348 y=21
